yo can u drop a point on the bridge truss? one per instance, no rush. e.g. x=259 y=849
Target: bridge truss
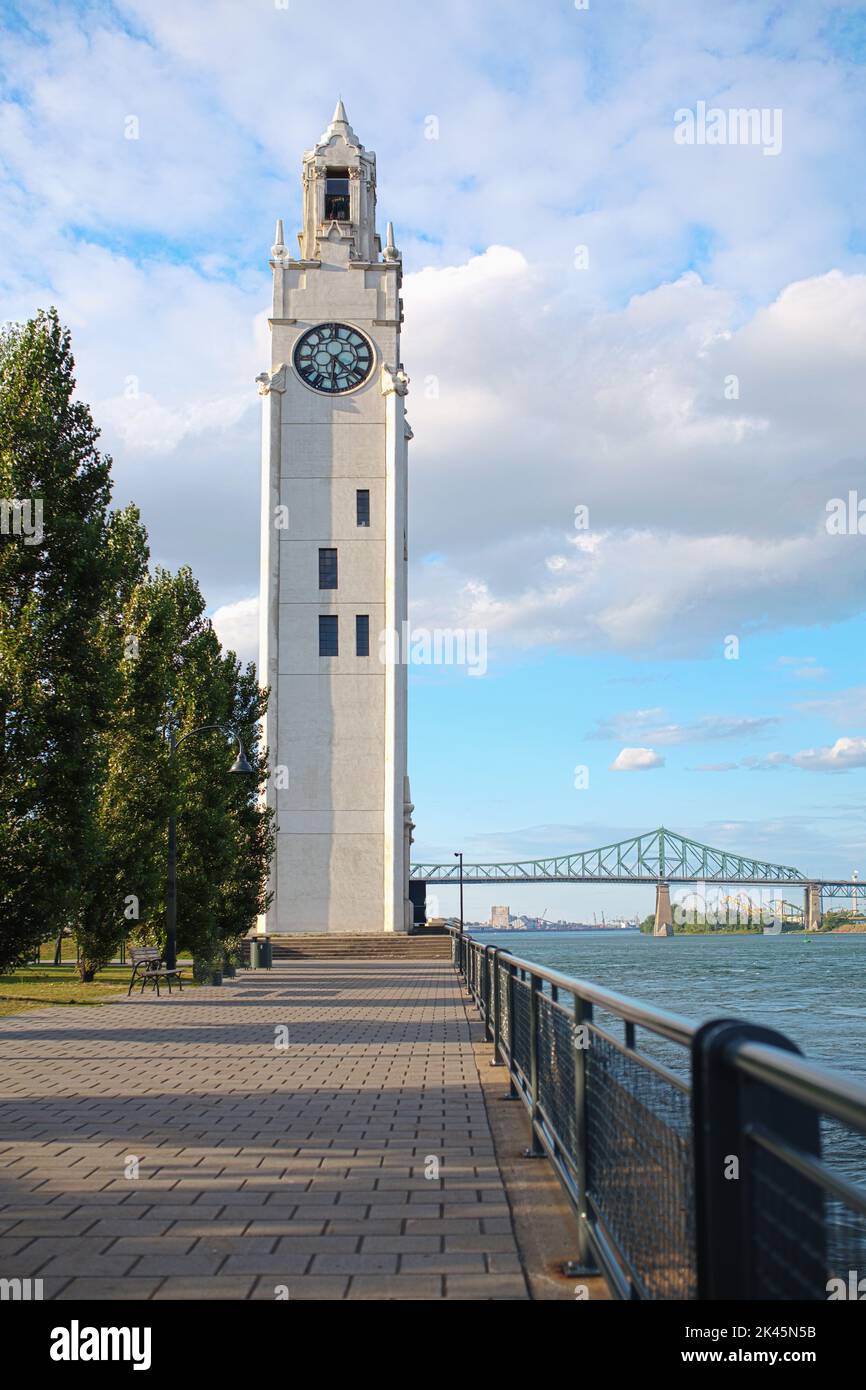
x=660 y=856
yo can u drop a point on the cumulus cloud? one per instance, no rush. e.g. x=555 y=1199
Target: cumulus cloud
x=237 y=626
x=844 y=754
x=841 y=756
x=706 y=515
x=537 y=387
x=636 y=760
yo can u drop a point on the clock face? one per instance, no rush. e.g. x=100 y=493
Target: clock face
x=333 y=357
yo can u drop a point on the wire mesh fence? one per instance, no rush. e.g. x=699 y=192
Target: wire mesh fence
x=700 y=1165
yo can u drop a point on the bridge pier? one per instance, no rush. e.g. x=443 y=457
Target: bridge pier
x=664 y=924
x=814 y=908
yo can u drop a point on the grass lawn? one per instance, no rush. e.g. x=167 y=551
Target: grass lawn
x=36 y=986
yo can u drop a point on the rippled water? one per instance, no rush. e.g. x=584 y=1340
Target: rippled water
x=807 y=987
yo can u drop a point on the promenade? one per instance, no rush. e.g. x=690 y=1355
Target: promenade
x=316 y=1132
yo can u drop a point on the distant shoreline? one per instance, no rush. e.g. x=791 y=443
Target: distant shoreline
x=554 y=931
x=636 y=931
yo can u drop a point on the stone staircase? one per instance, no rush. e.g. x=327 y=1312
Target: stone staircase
x=423 y=945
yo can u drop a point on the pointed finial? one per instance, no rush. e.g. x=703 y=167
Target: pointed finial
x=390 y=253
x=339 y=125
x=278 y=248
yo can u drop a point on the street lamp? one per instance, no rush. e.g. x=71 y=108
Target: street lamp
x=241 y=764
x=458 y=854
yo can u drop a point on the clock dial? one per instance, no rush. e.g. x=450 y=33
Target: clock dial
x=333 y=357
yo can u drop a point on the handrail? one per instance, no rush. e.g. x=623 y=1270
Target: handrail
x=833 y=1093
x=643 y=1151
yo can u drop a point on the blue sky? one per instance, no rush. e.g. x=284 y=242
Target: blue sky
x=538 y=384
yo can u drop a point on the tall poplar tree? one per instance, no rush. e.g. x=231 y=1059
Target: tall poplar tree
x=54 y=668
x=98 y=658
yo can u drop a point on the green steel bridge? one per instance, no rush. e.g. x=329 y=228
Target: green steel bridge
x=660 y=856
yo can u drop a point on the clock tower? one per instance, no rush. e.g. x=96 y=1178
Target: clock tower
x=333 y=559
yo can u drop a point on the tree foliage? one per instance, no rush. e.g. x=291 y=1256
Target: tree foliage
x=99 y=658
x=54 y=692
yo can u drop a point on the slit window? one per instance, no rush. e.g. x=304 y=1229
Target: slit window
x=327 y=569
x=362 y=634
x=337 y=195
x=362 y=506
x=329 y=644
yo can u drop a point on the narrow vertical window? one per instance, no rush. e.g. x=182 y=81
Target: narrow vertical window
x=328 y=640
x=327 y=569
x=362 y=503
x=362 y=634
x=337 y=195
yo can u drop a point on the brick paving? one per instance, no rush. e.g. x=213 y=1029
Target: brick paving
x=264 y=1170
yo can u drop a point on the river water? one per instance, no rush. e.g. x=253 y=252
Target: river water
x=810 y=988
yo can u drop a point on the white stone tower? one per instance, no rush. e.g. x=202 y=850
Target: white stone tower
x=333 y=559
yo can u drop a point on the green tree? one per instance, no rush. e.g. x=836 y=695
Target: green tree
x=171 y=671
x=55 y=569
x=129 y=750
x=160 y=639
x=98 y=658
x=225 y=839
x=244 y=890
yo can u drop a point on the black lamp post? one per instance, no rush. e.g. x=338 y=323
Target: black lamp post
x=241 y=765
x=458 y=854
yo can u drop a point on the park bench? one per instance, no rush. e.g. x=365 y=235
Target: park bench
x=150 y=968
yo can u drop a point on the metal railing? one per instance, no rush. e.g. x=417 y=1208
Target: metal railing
x=710 y=1162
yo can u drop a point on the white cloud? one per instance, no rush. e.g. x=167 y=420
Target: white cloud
x=237 y=627
x=844 y=754
x=843 y=707
x=706 y=515
x=650 y=724
x=636 y=760
x=556 y=387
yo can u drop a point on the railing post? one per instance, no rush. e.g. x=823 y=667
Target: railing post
x=512 y=1089
x=724 y=1105
x=582 y=1019
x=496 y=1060
x=486 y=1012
x=535 y=1149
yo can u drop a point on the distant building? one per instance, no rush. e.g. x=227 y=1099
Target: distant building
x=500 y=917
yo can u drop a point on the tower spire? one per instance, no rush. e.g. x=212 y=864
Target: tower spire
x=339 y=196
x=340 y=126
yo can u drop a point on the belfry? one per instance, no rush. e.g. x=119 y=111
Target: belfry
x=334 y=558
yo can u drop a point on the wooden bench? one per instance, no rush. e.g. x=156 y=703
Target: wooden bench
x=150 y=968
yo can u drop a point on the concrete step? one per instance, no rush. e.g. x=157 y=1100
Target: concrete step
x=308 y=946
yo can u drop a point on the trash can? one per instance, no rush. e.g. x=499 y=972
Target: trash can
x=265 y=954
x=254 y=955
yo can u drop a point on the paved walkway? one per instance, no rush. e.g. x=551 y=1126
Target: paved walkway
x=263 y=1171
